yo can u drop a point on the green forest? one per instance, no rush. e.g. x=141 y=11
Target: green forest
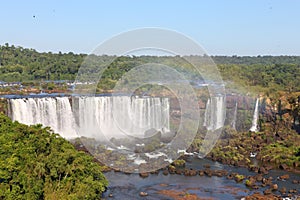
x=261 y=73
x=36 y=163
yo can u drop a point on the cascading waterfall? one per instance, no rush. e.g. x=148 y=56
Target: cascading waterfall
x=121 y=116
x=233 y=123
x=215 y=113
x=254 y=127
x=53 y=112
x=95 y=117
x=206 y=114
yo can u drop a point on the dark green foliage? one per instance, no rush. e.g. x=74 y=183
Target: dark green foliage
x=262 y=73
x=38 y=164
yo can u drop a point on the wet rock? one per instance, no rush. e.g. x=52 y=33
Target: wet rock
x=143 y=194
x=206 y=166
x=218 y=173
x=284 y=177
x=154 y=172
x=267 y=181
x=258 y=177
x=201 y=173
x=267 y=191
x=268 y=168
x=165 y=172
x=292 y=191
x=230 y=176
x=179 y=171
x=282 y=190
x=274 y=187
x=144 y=175
x=255 y=187
x=190 y=172
x=208 y=172
x=254 y=169
x=283 y=167
x=262 y=170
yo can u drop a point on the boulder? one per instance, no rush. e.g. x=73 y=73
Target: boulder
x=165 y=172
x=282 y=190
x=274 y=187
x=144 y=175
x=284 y=177
x=143 y=194
x=267 y=192
x=201 y=173
x=262 y=170
x=190 y=172
x=283 y=167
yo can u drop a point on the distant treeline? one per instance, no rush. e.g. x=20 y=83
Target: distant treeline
x=262 y=72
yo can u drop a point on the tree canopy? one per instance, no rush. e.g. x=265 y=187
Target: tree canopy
x=36 y=163
x=263 y=73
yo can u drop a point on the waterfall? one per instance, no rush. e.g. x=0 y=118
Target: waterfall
x=206 y=114
x=254 y=127
x=215 y=113
x=97 y=117
x=233 y=123
x=53 y=112
x=122 y=116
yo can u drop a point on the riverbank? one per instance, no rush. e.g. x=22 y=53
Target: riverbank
x=211 y=180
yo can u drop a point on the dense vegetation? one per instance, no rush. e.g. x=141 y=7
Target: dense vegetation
x=38 y=164
x=262 y=73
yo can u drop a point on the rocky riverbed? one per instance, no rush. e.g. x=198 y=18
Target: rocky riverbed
x=203 y=179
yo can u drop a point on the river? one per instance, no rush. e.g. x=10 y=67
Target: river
x=129 y=186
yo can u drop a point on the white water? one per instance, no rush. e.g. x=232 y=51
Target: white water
x=233 y=123
x=121 y=116
x=215 y=113
x=53 y=112
x=254 y=127
x=96 y=117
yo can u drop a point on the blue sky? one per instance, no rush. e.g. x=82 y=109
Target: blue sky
x=224 y=27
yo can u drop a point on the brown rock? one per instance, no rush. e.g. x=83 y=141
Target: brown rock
x=262 y=170
x=292 y=191
x=208 y=172
x=178 y=171
x=144 y=175
x=267 y=192
x=258 y=177
x=143 y=194
x=230 y=176
x=284 y=177
x=282 y=190
x=165 y=172
x=190 y=172
x=274 y=187
x=201 y=173
x=295 y=182
x=206 y=166
x=283 y=166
